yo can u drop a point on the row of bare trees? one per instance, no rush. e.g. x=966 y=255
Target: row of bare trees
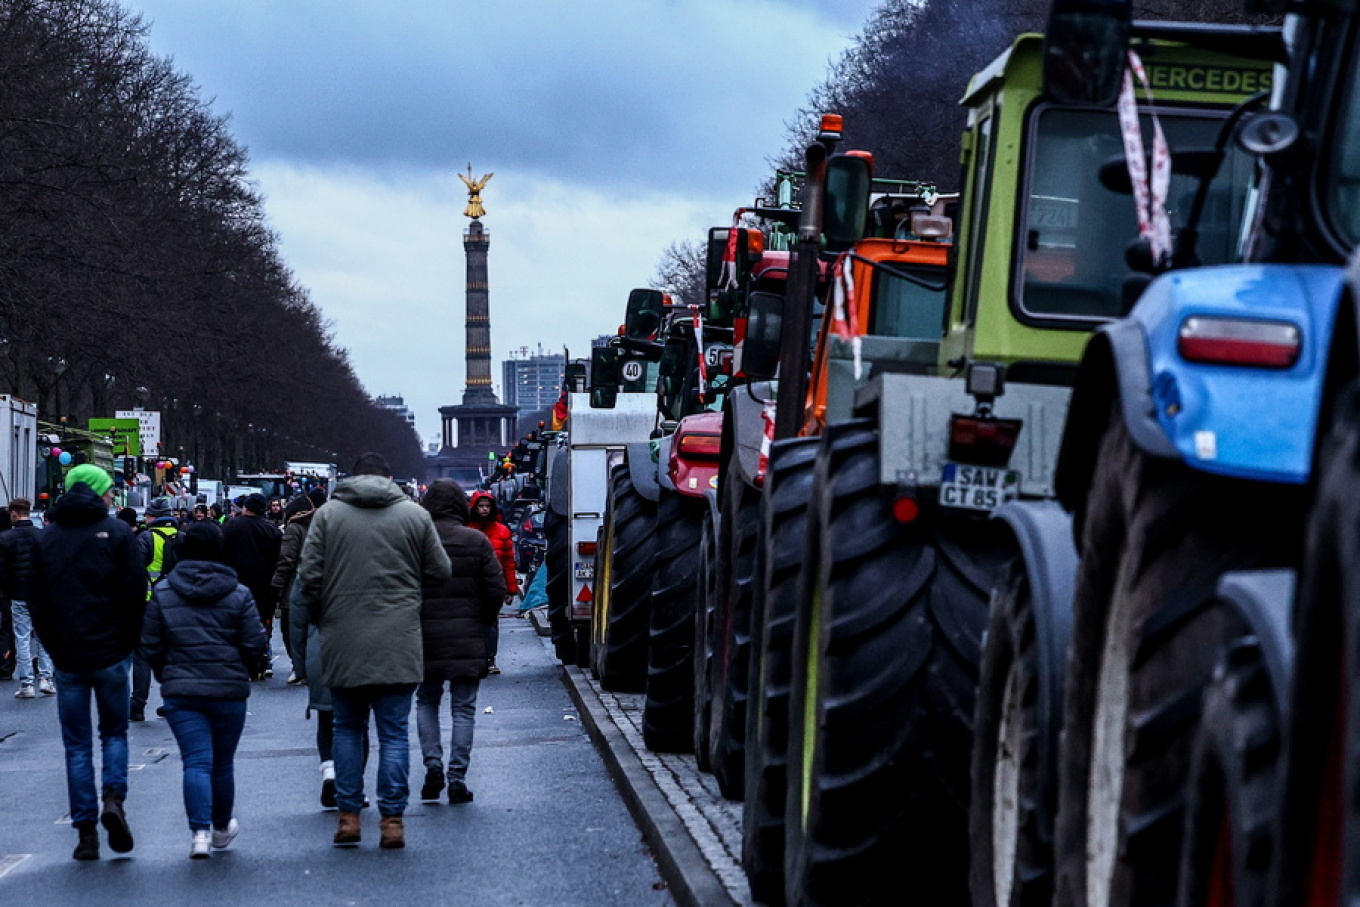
x=136 y=265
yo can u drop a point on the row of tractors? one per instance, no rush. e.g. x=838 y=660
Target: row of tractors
x=999 y=547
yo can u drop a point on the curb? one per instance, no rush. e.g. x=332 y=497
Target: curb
x=688 y=874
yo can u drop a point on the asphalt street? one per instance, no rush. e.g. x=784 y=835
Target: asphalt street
x=548 y=825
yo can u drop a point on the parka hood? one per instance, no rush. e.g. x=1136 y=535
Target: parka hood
x=369 y=491
x=79 y=506
x=201 y=581
x=446 y=501
x=472 y=505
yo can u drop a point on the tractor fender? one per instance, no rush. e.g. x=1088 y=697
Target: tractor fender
x=663 y=456
x=558 y=476
x=1265 y=600
x=642 y=470
x=1240 y=421
x=1043 y=532
x=1114 y=366
x=745 y=426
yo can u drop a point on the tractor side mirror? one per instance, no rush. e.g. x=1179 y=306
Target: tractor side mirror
x=846 y=200
x=764 y=324
x=643 y=318
x=1085 y=49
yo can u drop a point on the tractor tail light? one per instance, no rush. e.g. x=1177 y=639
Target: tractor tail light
x=585 y=549
x=982 y=441
x=696 y=446
x=1237 y=341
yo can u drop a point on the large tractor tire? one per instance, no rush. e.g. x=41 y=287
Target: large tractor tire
x=879 y=758
x=1318 y=805
x=1155 y=537
x=705 y=624
x=1014 y=763
x=557 y=561
x=732 y=662
x=668 y=713
x=623 y=591
x=784 y=507
x=1232 y=795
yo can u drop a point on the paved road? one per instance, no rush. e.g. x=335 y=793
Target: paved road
x=548 y=825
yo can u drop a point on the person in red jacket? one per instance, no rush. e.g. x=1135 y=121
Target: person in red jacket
x=486 y=517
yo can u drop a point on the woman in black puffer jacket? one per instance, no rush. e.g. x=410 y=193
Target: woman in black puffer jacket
x=203 y=637
x=453 y=622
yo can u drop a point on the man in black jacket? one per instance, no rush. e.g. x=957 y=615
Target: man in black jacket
x=17 y=552
x=88 y=597
x=252 y=550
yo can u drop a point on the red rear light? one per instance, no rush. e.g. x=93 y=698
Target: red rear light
x=905 y=510
x=698 y=446
x=982 y=441
x=1235 y=341
x=585 y=549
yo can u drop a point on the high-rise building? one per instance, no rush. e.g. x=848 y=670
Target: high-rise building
x=532 y=380
x=396 y=404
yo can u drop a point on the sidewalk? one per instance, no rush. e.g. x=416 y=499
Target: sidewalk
x=694 y=832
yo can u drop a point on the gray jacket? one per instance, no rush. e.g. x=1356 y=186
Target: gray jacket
x=367 y=554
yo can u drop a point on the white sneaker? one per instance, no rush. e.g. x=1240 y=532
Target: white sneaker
x=221 y=840
x=25 y=691
x=201 y=848
x=46 y=686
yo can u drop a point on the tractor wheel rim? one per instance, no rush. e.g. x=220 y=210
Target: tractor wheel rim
x=1106 y=784
x=1006 y=790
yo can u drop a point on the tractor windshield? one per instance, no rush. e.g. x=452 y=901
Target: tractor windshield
x=906 y=308
x=1070 y=260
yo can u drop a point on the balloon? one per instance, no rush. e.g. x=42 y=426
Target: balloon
x=56 y=451
x=64 y=458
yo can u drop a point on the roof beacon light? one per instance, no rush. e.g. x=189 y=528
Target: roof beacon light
x=1240 y=341
x=832 y=124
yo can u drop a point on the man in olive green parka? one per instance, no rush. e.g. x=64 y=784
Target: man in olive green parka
x=367 y=554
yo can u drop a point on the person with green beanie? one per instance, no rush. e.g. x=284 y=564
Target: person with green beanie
x=88 y=598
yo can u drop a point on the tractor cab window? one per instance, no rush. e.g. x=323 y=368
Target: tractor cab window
x=1070 y=260
x=912 y=309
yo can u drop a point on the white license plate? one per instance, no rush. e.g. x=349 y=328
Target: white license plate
x=977 y=487
x=585 y=571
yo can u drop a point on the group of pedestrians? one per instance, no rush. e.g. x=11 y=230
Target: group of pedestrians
x=385 y=600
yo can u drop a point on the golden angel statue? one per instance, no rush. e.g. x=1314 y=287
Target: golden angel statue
x=474 y=206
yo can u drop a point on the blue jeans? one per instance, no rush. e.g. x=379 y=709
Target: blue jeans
x=109 y=688
x=207 y=731
x=463 y=711
x=391 y=708
x=27 y=646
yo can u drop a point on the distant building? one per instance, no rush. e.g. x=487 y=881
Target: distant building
x=532 y=381
x=397 y=405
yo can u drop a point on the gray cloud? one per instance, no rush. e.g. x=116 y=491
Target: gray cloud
x=615 y=127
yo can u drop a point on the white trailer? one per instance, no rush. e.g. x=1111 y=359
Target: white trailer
x=596 y=439
x=18 y=448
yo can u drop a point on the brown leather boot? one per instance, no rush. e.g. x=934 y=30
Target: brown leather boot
x=393 y=834
x=347 y=834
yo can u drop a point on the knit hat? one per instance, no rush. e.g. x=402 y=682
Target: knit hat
x=255 y=503
x=98 y=479
x=201 y=541
x=159 y=509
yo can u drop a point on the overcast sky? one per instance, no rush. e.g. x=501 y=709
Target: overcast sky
x=613 y=127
